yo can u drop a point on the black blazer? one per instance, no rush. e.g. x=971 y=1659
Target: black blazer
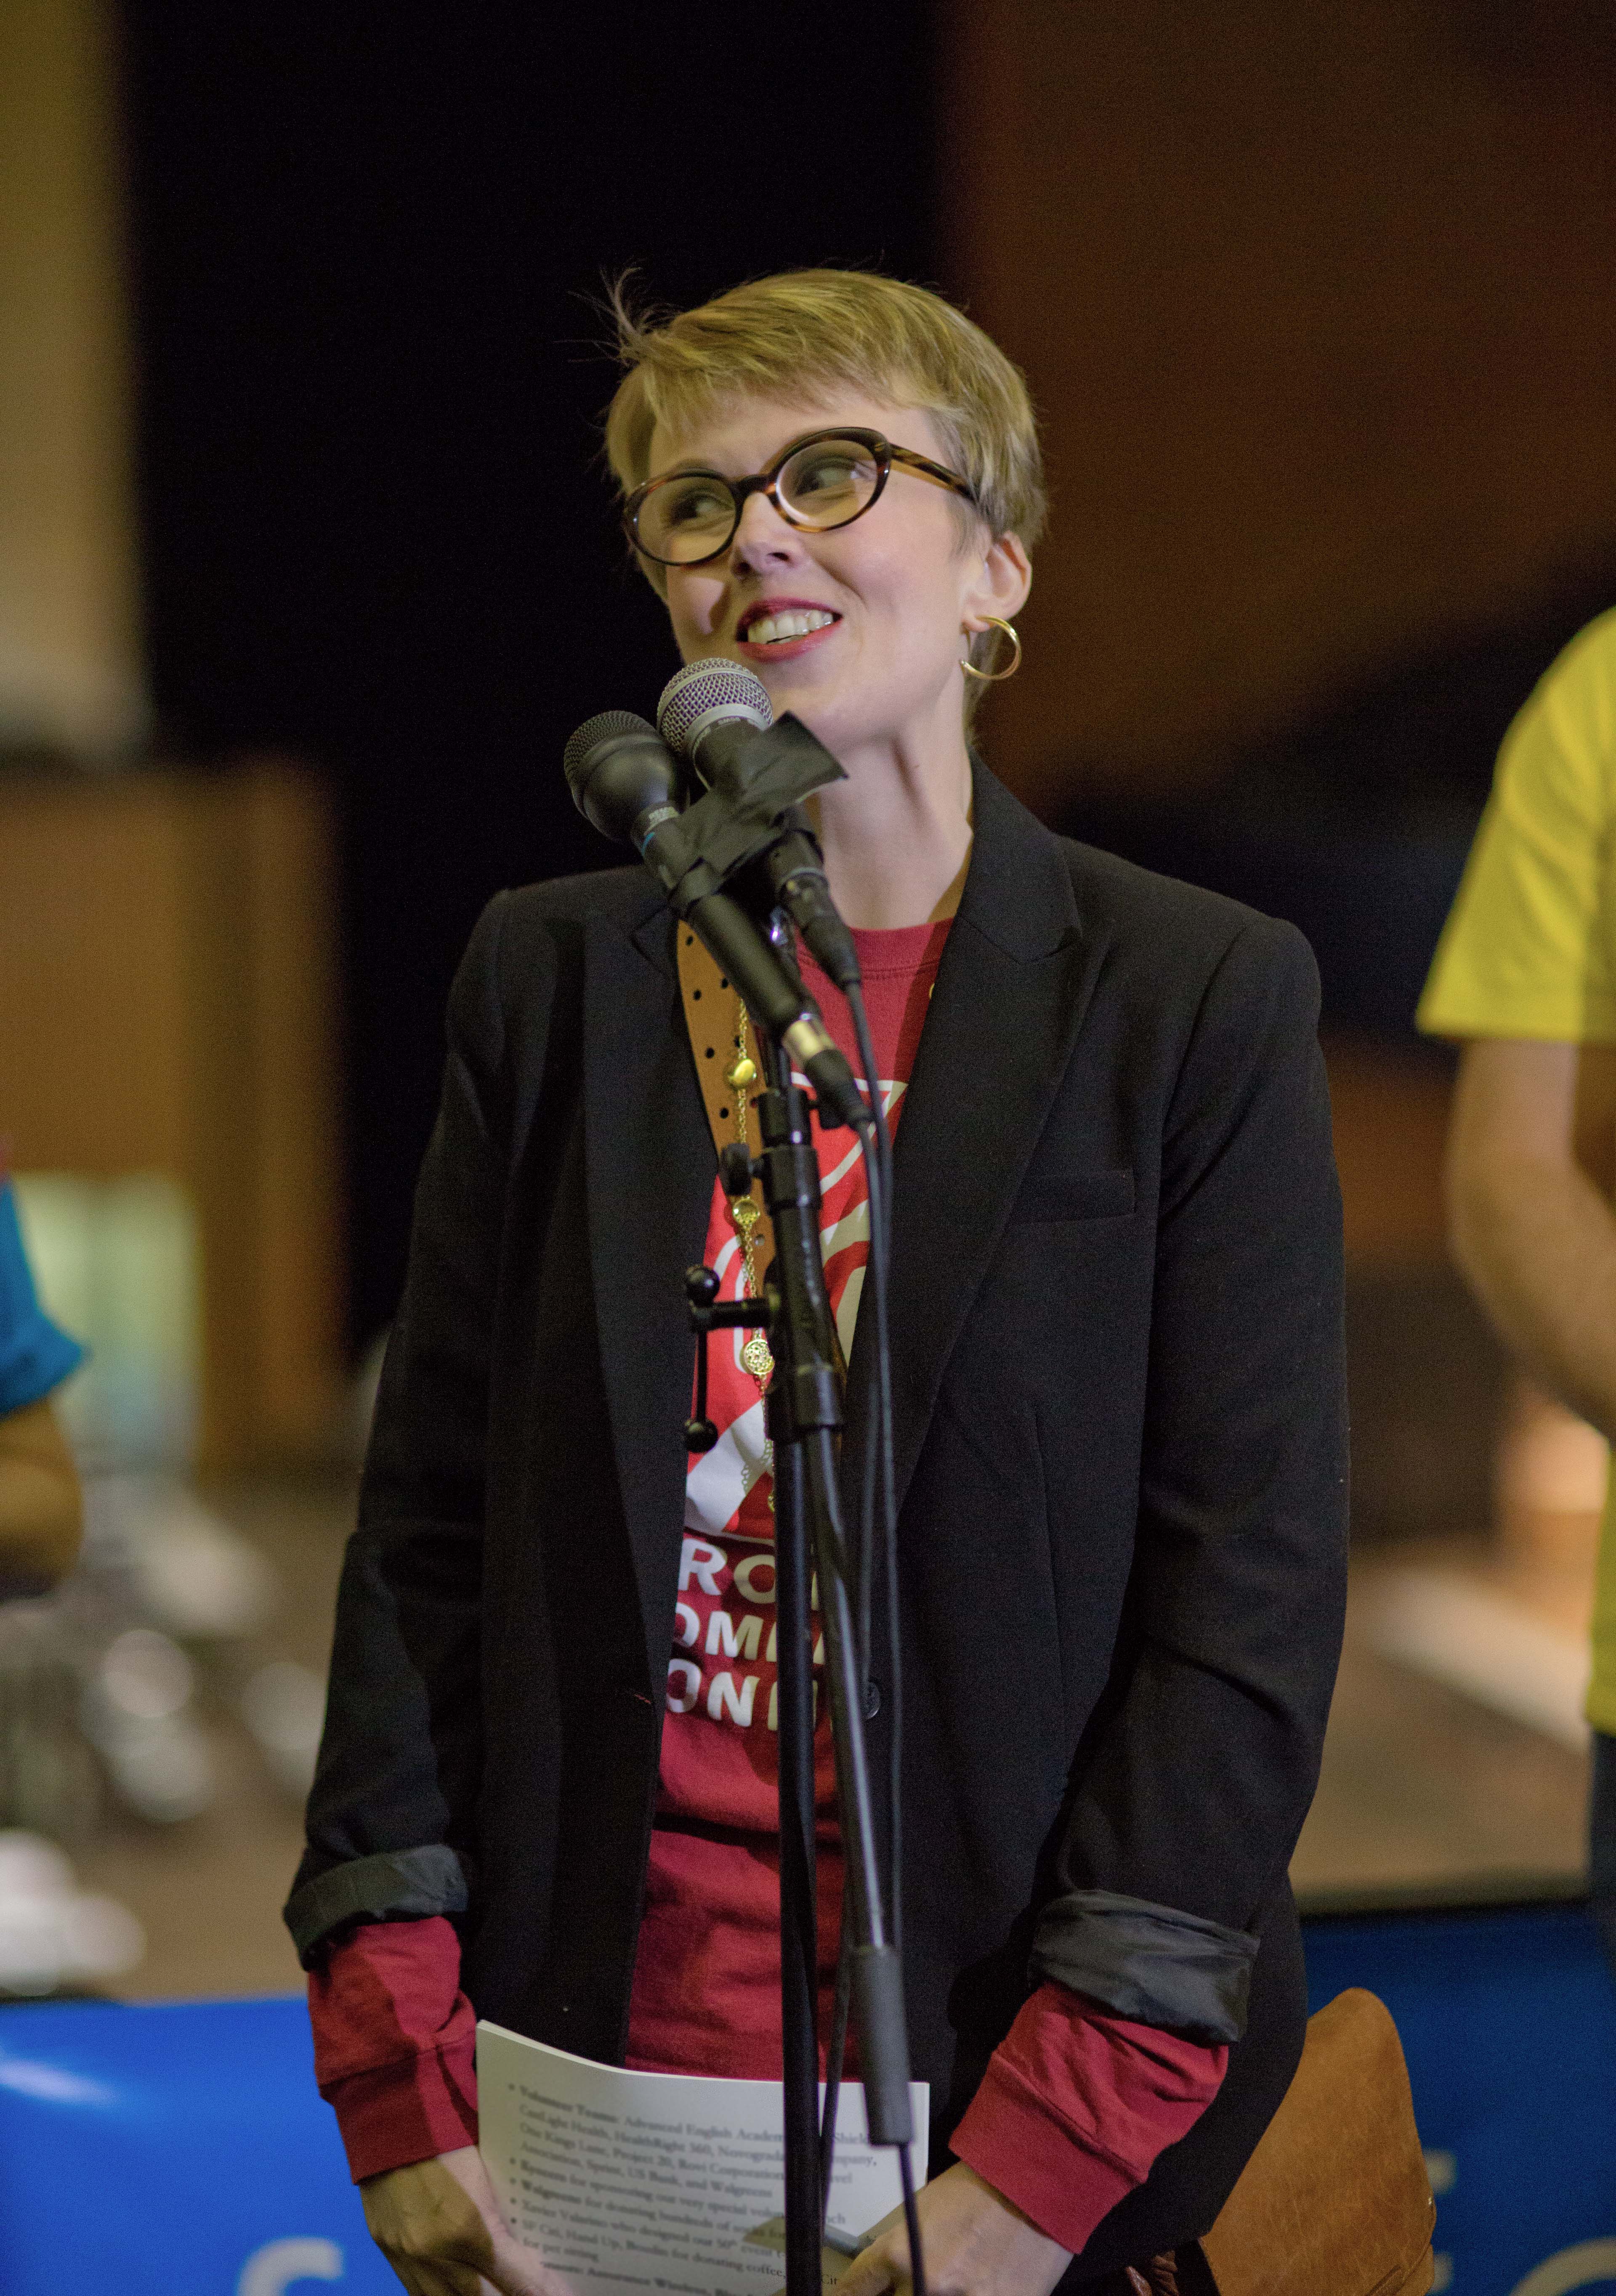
x=1120 y=1458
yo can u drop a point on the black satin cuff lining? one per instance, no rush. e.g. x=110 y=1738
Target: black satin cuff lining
x=395 y=1885
x=1151 y=1962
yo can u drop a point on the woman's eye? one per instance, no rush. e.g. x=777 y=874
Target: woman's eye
x=834 y=472
x=695 y=506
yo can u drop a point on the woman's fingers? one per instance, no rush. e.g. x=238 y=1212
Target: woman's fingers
x=434 y=2277
x=423 y=2279
x=438 y=2223
x=504 y=2263
x=519 y=2271
x=977 y=2244
x=884 y=2264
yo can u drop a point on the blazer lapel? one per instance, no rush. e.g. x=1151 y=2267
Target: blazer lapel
x=1011 y=991
x=651 y=1167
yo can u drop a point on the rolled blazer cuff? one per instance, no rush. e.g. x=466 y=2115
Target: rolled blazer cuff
x=395 y=1885
x=1150 y=1962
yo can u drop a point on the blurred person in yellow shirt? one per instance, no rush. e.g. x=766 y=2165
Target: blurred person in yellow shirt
x=1525 y=974
x=40 y=1509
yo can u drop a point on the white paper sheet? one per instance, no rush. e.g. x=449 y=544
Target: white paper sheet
x=635 y=2182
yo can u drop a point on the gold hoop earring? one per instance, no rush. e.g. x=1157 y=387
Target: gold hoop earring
x=996 y=677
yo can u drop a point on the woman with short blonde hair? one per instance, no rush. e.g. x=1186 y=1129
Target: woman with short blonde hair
x=546 y=1793
x=808 y=334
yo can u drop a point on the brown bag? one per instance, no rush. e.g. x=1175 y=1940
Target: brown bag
x=1335 y=2201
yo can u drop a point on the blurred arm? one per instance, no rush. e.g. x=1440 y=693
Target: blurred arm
x=1530 y=1155
x=41 y=1513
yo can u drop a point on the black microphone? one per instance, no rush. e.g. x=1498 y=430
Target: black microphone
x=624 y=781
x=715 y=713
x=624 y=778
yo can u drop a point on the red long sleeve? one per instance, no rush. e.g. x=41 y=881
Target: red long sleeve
x=1075 y=2106
x=396 y=2043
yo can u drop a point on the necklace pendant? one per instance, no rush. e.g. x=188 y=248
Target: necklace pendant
x=756 y=1357
x=742 y=1214
x=741 y=1072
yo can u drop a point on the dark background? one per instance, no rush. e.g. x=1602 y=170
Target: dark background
x=377 y=526
x=1314 y=296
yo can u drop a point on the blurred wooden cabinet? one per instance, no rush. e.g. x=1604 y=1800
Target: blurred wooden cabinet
x=168 y=998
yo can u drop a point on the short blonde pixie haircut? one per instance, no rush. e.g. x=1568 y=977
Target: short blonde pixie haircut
x=799 y=335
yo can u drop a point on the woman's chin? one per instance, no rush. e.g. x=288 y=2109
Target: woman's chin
x=815 y=707
x=811 y=689
x=848 y=723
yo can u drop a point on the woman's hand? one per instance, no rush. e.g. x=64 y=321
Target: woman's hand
x=976 y=2243
x=438 y=2225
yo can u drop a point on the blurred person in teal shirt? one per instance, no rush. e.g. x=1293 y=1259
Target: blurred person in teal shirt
x=41 y=1511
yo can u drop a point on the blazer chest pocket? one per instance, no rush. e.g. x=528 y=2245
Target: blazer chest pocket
x=1075 y=1196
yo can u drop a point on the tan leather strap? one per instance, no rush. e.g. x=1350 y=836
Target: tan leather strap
x=711 y=1011
x=713 y=1014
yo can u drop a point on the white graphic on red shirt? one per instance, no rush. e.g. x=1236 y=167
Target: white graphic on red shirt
x=725 y=1664
x=720 y=1480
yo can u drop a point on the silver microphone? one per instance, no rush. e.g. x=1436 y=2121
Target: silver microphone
x=709 y=710
x=716 y=713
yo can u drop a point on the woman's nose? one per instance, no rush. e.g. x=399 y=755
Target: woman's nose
x=762 y=537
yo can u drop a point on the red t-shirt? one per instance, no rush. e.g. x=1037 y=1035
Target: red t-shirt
x=1077 y=2102
x=707 y=1976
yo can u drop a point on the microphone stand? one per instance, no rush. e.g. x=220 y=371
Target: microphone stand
x=805 y=1419
x=624 y=777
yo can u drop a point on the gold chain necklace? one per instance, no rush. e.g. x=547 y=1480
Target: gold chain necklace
x=756 y=1356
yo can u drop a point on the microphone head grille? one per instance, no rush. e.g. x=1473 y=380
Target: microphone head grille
x=608 y=724
x=704 y=692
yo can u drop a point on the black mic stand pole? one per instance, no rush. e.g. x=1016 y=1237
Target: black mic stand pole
x=805 y=1418
x=798 y=1881
x=623 y=777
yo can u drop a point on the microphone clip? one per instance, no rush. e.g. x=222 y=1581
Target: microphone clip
x=734 y=820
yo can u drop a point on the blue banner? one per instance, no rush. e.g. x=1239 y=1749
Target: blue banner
x=183 y=2149
x=174 y=2151
x=1508 y=2021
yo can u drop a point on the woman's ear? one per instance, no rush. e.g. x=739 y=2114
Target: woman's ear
x=999 y=587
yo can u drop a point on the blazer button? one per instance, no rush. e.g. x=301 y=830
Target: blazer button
x=871 y=1699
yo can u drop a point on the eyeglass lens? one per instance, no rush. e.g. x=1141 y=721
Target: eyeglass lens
x=826 y=482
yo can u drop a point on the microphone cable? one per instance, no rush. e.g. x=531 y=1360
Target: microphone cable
x=881 y=1254
x=877 y=1530
x=878 y=1525
x=873 y=1143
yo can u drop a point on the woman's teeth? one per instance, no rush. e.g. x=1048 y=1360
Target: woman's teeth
x=768 y=630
